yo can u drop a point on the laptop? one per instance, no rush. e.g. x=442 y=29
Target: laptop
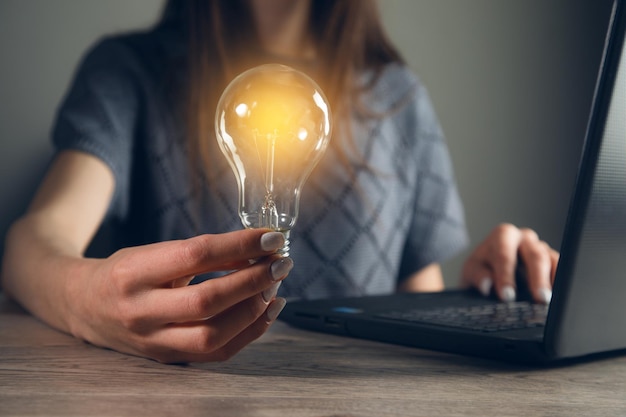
x=587 y=314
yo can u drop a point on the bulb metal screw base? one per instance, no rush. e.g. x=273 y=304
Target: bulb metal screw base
x=284 y=251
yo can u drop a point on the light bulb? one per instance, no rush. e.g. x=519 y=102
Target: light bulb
x=273 y=124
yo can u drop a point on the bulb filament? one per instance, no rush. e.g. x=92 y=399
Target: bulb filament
x=269 y=162
x=268 y=217
x=269 y=213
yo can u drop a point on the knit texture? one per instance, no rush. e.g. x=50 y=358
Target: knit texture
x=360 y=237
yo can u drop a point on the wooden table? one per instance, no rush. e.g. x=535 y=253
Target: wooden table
x=288 y=372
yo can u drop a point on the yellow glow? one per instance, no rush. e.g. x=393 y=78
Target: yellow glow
x=273 y=125
x=302 y=134
x=241 y=109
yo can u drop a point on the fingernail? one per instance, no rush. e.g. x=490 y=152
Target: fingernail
x=544 y=295
x=270 y=292
x=281 y=267
x=507 y=294
x=275 y=308
x=485 y=286
x=271 y=241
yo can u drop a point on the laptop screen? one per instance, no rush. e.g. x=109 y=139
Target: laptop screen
x=591 y=278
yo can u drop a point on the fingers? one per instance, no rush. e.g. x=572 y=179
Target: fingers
x=493 y=264
x=503 y=249
x=212 y=320
x=554 y=260
x=212 y=334
x=164 y=262
x=209 y=298
x=478 y=275
x=206 y=341
x=535 y=254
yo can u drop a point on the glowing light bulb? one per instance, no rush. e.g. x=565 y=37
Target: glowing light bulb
x=273 y=124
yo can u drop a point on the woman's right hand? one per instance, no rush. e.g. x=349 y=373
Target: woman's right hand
x=138 y=301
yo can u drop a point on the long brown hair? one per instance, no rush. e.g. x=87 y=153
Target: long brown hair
x=348 y=37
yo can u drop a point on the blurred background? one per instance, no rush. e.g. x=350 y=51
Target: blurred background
x=511 y=80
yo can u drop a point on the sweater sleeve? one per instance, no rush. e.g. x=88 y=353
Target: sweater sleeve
x=99 y=113
x=437 y=230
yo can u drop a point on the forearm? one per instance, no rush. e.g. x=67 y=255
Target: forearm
x=43 y=264
x=428 y=279
x=38 y=269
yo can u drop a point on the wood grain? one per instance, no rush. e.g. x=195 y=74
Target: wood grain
x=289 y=372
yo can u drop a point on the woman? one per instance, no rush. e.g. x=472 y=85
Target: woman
x=135 y=151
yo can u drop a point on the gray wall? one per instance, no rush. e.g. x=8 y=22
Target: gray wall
x=511 y=81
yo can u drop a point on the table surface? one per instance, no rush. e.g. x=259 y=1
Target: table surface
x=289 y=372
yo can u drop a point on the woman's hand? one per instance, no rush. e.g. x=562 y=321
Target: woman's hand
x=493 y=263
x=137 y=301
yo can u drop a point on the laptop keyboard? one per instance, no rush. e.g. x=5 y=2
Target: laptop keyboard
x=484 y=318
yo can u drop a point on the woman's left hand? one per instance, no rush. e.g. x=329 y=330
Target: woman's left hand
x=493 y=263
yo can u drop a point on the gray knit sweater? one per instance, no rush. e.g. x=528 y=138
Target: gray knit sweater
x=402 y=214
